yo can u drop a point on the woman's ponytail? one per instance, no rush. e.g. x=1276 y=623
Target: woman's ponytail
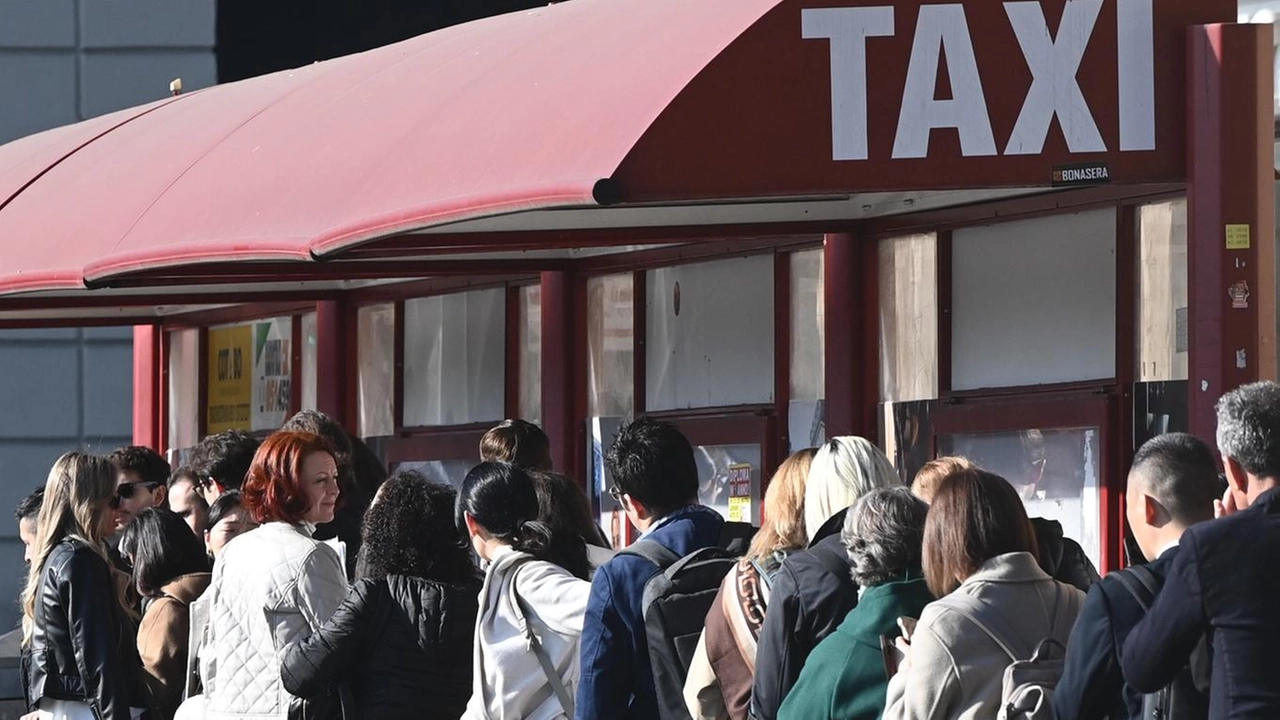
x=533 y=537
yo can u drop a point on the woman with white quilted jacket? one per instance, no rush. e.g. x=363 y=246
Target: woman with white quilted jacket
x=274 y=585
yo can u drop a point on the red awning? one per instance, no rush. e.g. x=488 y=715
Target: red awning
x=518 y=112
x=587 y=114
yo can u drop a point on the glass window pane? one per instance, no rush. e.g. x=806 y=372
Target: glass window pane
x=1055 y=471
x=309 y=361
x=808 y=342
x=611 y=340
x=1034 y=301
x=908 y=318
x=250 y=375
x=709 y=336
x=1162 y=291
x=455 y=358
x=531 y=353
x=184 y=389
x=376 y=387
x=442 y=472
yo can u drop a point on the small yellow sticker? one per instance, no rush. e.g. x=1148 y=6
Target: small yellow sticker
x=1238 y=237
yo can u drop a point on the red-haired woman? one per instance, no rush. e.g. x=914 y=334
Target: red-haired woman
x=274 y=585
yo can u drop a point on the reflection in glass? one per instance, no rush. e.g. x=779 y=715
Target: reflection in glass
x=531 y=353
x=808 y=342
x=611 y=342
x=309 y=361
x=908 y=318
x=729 y=480
x=184 y=383
x=455 y=358
x=709 y=334
x=375 y=332
x=1162 y=291
x=443 y=472
x=1057 y=473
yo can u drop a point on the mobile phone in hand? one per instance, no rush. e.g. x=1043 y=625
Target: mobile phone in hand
x=908 y=627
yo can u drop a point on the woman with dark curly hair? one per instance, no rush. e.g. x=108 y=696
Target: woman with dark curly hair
x=402 y=638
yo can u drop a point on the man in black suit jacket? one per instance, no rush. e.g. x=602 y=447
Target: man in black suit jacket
x=1172 y=486
x=1224 y=579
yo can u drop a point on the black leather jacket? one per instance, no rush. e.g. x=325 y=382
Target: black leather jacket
x=1063 y=558
x=80 y=639
x=403 y=645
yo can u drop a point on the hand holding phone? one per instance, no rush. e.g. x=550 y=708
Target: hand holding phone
x=908 y=627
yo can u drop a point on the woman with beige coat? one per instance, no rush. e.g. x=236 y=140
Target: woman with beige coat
x=980 y=559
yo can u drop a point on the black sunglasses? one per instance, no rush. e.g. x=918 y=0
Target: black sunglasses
x=616 y=493
x=124 y=491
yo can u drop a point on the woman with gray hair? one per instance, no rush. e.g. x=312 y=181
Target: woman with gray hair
x=845 y=676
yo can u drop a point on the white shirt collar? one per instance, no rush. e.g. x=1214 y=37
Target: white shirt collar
x=1167 y=548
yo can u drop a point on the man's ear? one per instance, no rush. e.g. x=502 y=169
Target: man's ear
x=1237 y=477
x=640 y=509
x=161 y=498
x=1153 y=512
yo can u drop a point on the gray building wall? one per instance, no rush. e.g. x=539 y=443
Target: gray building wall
x=62 y=61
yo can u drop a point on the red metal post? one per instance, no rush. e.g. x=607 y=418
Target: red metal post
x=332 y=370
x=558 y=353
x=1231 y=214
x=146 y=386
x=844 y=318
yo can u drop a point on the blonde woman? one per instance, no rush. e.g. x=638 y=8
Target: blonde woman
x=77 y=637
x=813 y=591
x=724 y=664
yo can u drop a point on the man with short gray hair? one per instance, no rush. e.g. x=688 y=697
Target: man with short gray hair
x=1224 y=580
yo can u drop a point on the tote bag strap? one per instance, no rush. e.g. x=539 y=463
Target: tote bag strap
x=535 y=644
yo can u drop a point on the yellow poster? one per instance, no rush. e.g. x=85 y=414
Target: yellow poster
x=230 y=380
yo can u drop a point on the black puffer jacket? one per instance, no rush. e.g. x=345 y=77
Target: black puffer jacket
x=402 y=644
x=82 y=644
x=1062 y=557
x=811 y=594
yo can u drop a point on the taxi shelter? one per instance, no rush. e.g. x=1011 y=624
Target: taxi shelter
x=1031 y=232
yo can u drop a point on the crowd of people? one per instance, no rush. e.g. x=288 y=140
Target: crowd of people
x=291 y=578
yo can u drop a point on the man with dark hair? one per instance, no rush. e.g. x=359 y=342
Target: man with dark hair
x=142 y=481
x=518 y=442
x=221 y=462
x=1172 y=485
x=28 y=515
x=186 y=501
x=656 y=480
x=1223 y=581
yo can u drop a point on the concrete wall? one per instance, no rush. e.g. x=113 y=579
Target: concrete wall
x=63 y=61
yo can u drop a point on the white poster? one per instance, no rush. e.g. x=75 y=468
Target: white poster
x=272 y=372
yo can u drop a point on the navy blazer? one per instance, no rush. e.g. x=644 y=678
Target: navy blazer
x=1224 y=581
x=617 y=679
x=1092 y=686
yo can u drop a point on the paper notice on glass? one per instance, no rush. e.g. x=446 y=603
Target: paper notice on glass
x=740 y=509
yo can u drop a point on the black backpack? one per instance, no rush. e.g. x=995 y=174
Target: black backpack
x=1180 y=699
x=675 y=606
